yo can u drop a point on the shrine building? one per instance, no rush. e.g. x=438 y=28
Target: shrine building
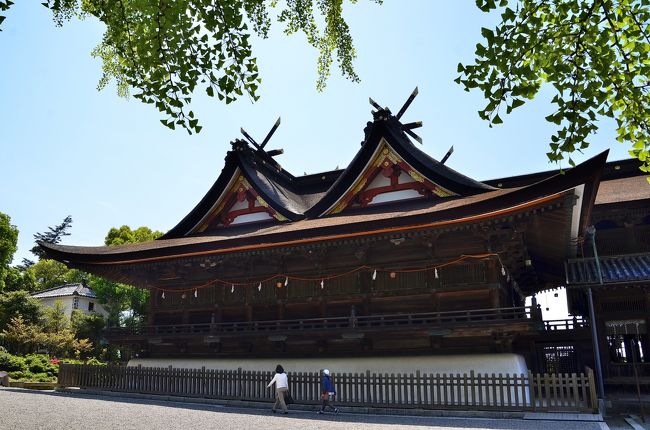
x=395 y=255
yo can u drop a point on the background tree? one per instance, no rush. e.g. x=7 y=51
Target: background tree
x=18 y=303
x=114 y=297
x=88 y=326
x=53 y=235
x=166 y=49
x=22 y=337
x=18 y=279
x=54 y=318
x=120 y=298
x=595 y=54
x=8 y=241
x=51 y=273
x=124 y=234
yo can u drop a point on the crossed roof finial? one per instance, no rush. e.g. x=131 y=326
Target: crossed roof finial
x=408 y=127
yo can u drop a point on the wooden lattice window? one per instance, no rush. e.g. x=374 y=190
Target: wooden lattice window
x=203 y=296
x=343 y=285
x=264 y=295
x=391 y=281
x=302 y=289
x=234 y=296
x=463 y=274
x=171 y=299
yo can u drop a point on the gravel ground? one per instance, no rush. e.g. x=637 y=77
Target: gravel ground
x=41 y=410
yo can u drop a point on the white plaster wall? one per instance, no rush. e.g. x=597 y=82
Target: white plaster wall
x=67 y=303
x=480 y=363
x=99 y=309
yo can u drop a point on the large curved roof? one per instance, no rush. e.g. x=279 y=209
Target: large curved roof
x=294 y=198
x=413 y=215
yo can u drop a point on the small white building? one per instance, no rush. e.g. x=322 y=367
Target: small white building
x=72 y=296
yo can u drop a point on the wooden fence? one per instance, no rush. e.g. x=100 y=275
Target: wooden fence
x=523 y=392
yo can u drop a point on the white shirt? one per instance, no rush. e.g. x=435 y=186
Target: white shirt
x=280 y=380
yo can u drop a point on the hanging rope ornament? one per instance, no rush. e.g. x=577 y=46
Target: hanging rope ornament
x=322 y=284
x=279 y=283
x=435 y=273
x=259 y=287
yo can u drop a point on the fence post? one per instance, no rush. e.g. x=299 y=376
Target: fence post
x=239 y=384
x=592 y=390
x=367 y=398
x=418 y=388
x=61 y=375
x=531 y=390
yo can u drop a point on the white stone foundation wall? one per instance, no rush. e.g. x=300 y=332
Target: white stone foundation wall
x=479 y=363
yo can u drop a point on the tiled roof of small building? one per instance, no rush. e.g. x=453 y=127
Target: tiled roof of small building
x=66 y=290
x=614 y=269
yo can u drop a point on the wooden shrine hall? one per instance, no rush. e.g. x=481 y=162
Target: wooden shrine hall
x=394 y=254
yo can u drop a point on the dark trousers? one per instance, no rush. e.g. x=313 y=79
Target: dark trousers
x=328 y=400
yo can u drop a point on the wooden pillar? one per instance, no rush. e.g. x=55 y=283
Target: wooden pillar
x=645 y=338
x=493 y=271
x=152 y=307
x=495 y=298
x=435 y=302
x=281 y=310
x=365 y=289
x=249 y=308
x=323 y=308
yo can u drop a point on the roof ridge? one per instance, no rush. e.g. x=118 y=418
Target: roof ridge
x=58 y=287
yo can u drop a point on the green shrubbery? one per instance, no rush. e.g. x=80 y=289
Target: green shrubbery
x=35 y=367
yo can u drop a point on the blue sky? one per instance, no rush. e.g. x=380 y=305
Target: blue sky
x=67 y=149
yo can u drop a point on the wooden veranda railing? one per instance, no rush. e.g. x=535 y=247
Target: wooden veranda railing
x=363 y=323
x=566 y=324
x=503 y=392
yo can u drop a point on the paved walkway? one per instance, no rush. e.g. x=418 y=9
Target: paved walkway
x=47 y=410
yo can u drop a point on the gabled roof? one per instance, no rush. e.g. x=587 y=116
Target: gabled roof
x=290 y=198
x=396 y=217
x=65 y=290
x=273 y=186
x=386 y=129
